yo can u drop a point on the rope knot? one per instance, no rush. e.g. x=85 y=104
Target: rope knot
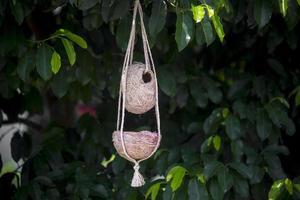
x=138 y=179
x=136 y=166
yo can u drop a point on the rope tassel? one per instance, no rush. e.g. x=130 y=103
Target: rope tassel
x=137 y=179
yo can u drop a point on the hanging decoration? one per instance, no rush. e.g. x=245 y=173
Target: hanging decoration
x=138 y=94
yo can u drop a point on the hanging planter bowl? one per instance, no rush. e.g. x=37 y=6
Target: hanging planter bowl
x=139 y=145
x=140 y=89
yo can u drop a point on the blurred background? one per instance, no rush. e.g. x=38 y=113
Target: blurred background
x=229 y=96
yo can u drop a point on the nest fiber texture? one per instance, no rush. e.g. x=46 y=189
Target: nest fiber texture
x=140 y=95
x=139 y=145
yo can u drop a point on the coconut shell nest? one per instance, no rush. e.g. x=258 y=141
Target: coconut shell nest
x=140 y=89
x=139 y=145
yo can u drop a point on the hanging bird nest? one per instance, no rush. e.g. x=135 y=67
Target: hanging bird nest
x=140 y=89
x=138 y=94
x=139 y=145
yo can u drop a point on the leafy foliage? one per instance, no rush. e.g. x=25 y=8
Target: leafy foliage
x=229 y=96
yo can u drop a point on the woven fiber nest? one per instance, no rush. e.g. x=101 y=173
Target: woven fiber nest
x=140 y=89
x=139 y=145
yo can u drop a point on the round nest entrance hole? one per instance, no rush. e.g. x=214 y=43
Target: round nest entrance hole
x=147 y=77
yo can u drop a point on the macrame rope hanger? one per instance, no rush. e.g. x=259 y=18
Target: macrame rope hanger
x=137 y=179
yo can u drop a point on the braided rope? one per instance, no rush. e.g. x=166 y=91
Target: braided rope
x=137 y=179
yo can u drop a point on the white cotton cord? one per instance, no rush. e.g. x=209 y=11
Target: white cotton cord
x=144 y=37
x=138 y=179
x=123 y=84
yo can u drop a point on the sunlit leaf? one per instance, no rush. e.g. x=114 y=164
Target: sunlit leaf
x=176 y=175
x=153 y=190
x=73 y=37
x=276 y=190
x=217 y=142
x=218 y=26
x=198 y=13
x=283 y=5
x=69 y=48
x=289 y=186
x=55 y=62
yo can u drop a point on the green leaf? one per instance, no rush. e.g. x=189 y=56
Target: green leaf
x=241 y=186
x=289 y=186
x=99 y=191
x=59 y=84
x=204 y=32
x=281 y=100
x=123 y=32
x=298 y=2
x=240 y=108
x=213 y=92
x=167 y=194
x=73 y=37
x=69 y=48
x=112 y=10
x=276 y=149
x=153 y=190
x=86 y=4
x=233 y=127
x=237 y=149
x=158 y=17
x=242 y=169
x=297 y=187
x=20 y=10
x=199 y=94
x=280 y=118
x=283 y=6
x=217 y=142
x=276 y=190
x=176 y=175
x=211 y=169
x=210 y=11
x=206 y=145
x=167 y=82
x=184 y=30
x=197 y=190
x=215 y=190
x=218 y=26
x=198 y=13
x=43 y=65
x=262 y=12
x=263 y=124
x=55 y=62
x=225 y=179
x=25 y=66
x=212 y=123
x=257 y=175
